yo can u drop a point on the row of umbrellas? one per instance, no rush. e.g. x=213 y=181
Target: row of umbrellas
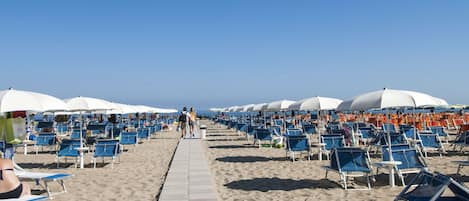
x=380 y=99
x=17 y=100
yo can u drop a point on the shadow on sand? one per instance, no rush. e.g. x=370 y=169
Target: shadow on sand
x=247 y=159
x=269 y=184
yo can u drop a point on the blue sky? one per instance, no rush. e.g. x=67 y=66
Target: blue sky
x=223 y=53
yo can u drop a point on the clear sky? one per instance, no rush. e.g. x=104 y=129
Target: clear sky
x=227 y=52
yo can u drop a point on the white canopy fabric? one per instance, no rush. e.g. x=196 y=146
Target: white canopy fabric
x=281 y=105
x=18 y=100
x=248 y=108
x=81 y=103
x=315 y=103
x=260 y=107
x=390 y=98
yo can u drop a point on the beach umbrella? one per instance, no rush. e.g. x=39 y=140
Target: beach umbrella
x=18 y=100
x=280 y=105
x=86 y=104
x=390 y=98
x=167 y=111
x=248 y=108
x=315 y=103
x=260 y=107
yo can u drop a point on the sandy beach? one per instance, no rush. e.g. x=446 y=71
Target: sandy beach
x=138 y=176
x=245 y=172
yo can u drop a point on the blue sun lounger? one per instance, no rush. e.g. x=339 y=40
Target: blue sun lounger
x=28 y=198
x=410 y=158
x=297 y=143
x=68 y=148
x=431 y=187
x=262 y=135
x=128 y=138
x=350 y=162
x=43 y=179
x=106 y=149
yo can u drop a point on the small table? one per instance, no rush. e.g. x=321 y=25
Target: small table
x=320 y=146
x=390 y=165
x=82 y=151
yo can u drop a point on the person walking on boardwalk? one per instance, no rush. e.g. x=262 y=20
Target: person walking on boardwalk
x=183 y=121
x=192 y=121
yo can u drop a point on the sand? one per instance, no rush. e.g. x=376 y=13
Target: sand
x=245 y=172
x=138 y=176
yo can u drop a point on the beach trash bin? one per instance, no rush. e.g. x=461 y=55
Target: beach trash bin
x=203 y=131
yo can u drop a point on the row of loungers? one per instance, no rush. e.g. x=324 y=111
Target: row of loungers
x=351 y=160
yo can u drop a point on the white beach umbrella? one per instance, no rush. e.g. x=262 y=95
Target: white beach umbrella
x=81 y=103
x=167 y=111
x=87 y=104
x=248 y=108
x=390 y=98
x=239 y=109
x=280 y=105
x=143 y=109
x=18 y=100
x=345 y=105
x=315 y=103
x=260 y=107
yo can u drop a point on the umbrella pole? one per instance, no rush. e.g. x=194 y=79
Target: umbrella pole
x=81 y=142
x=389 y=137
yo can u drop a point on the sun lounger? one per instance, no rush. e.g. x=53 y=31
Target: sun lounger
x=43 y=179
x=350 y=162
x=429 y=141
x=128 y=138
x=106 y=149
x=410 y=158
x=297 y=143
x=68 y=148
x=262 y=135
x=45 y=140
x=28 y=198
x=431 y=187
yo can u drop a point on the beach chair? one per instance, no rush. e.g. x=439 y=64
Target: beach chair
x=44 y=180
x=262 y=135
x=28 y=198
x=461 y=164
x=461 y=141
x=128 y=138
x=366 y=134
x=294 y=131
x=309 y=129
x=297 y=143
x=143 y=133
x=330 y=142
x=45 y=140
x=431 y=187
x=440 y=131
x=429 y=141
x=411 y=160
x=389 y=128
x=350 y=162
x=106 y=149
x=68 y=148
x=278 y=122
x=241 y=127
x=276 y=130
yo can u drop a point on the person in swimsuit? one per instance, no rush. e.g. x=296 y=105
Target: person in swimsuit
x=10 y=185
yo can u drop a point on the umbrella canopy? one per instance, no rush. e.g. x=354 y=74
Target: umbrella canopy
x=81 y=103
x=248 y=108
x=390 y=98
x=316 y=103
x=17 y=100
x=260 y=107
x=143 y=109
x=122 y=109
x=281 y=105
x=167 y=111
